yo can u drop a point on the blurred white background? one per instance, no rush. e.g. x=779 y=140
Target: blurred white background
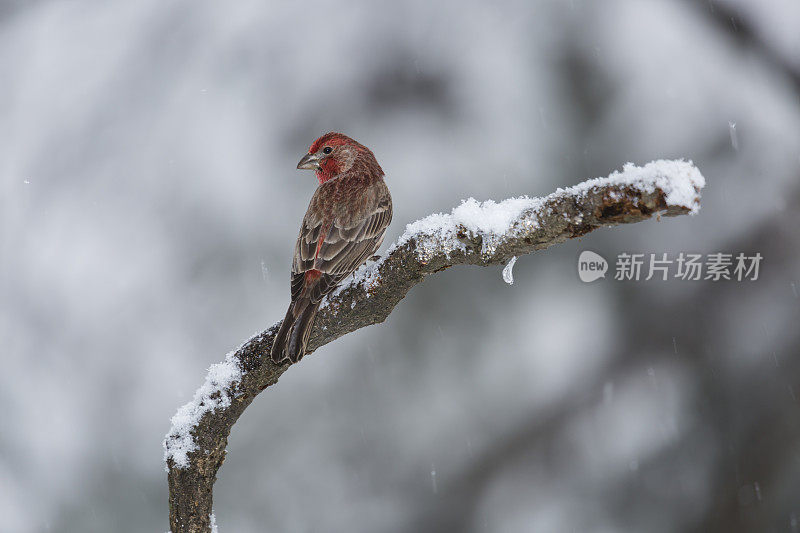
x=149 y=205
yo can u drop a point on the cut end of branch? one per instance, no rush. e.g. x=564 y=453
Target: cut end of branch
x=679 y=181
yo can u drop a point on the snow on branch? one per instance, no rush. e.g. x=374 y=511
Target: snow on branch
x=487 y=233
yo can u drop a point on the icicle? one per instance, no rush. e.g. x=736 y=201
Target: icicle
x=508 y=271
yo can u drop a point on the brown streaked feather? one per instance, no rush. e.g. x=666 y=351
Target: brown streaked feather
x=297 y=285
x=344 y=225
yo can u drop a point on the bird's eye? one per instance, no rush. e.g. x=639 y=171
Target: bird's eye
x=327 y=150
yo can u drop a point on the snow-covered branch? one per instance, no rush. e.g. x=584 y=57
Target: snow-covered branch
x=474 y=233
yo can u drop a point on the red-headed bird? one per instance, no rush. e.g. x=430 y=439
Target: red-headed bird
x=343 y=227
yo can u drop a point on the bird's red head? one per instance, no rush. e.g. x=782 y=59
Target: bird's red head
x=335 y=153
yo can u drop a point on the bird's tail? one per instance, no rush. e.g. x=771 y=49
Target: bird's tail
x=301 y=332
x=278 y=351
x=292 y=338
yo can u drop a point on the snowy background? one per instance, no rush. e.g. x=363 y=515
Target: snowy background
x=149 y=205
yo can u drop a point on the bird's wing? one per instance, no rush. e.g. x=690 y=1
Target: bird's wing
x=338 y=246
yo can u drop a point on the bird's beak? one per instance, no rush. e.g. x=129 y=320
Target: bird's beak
x=309 y=162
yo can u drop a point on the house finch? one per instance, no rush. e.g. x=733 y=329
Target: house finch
x=344 y=225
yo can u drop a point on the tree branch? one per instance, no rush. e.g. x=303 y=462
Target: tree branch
x=473 y=234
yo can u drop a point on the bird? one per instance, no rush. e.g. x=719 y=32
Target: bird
x=344 y=226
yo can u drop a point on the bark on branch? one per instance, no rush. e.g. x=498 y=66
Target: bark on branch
x=473 y=234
